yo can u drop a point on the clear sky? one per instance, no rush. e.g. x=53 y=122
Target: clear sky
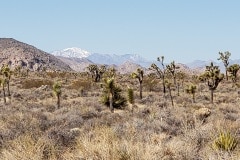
x=181 y=30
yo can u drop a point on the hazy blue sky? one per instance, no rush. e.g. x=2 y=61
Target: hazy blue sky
x=181 y=30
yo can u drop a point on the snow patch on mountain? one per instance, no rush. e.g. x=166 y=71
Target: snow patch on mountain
x=73 y=52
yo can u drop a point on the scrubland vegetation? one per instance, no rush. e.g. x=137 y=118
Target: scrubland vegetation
x=166 y=114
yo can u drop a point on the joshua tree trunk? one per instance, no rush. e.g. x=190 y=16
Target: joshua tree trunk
x=178 y=85
x=4 y=95
x=164 y=86
x=111 y=102
x=8 y=89
x=58 y=101
x=193 y=97
x=226 y=73
x=174 y=80
x=140 y=88
x=170 y=93
x=211 y=95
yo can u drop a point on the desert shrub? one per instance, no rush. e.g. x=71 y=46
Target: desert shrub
x=35 y=83
x=81 y=84
x=225 y=141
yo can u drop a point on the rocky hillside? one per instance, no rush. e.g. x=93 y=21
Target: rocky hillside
x=15 y=53
x=77 y=64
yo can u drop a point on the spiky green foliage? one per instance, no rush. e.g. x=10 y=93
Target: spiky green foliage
x=96 y=71
x=225 y=141
x=139 y=75
x=212 y=77
x=110 y=72
x=225 y=59
x=130 y=96
x=161 y=72
x=172 y=68
x=111 y=96
x=191 y=89
x=233 y=69
x=57 y=91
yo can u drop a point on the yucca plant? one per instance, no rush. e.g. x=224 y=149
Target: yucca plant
x=225 y=141
x=130 y=96
x=57 y=91
x=112 y=95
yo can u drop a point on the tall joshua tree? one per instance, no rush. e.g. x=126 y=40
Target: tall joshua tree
x=233 y=69
x=57 y=91
x=139 y=76
x=160 y=72
x=225 y=59
x=213 y=77
x=171 y=68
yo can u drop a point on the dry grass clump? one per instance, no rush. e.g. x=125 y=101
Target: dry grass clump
x=35 y=83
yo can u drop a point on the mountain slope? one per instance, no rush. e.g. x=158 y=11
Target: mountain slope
x=15 y=53
x=77 y=64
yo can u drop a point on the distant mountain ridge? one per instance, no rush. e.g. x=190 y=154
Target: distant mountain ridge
x=127 y=61
x=108 y=59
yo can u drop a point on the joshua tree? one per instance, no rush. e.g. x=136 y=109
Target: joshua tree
x=57 y=91
x=233 y=69
x=17 y=71
x=139 y=76
x=160 y=72
x=96 y=71
x=150 y=82
x=2 y=83
x=130 y=97
x=225 y=59
x=171 y=68
x=191 y=89
x=213 y=77
x=111 y=72
x=5 y=70
x=169 y=85
x=111 y=95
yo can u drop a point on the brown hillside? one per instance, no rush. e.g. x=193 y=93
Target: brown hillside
x=15 y=53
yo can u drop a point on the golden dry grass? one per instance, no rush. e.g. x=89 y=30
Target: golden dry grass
x=31 y=126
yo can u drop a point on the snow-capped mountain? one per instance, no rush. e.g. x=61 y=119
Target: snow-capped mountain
x=118 y=59
x=72 y=53
x=108 y=59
